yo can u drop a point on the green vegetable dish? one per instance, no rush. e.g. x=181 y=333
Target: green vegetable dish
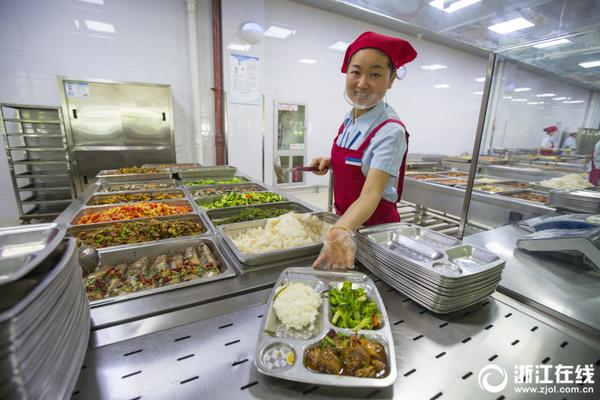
x=217 y=181
x=251 y=214
x=352 y=308
x=235 y=199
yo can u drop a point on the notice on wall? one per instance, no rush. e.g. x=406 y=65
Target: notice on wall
x=243 y=79
x=77 y=89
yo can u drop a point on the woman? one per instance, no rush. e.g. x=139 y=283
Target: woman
x=369 y=152
x=547 y=145
x=594 y=177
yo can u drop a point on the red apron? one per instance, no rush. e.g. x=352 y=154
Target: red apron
x=547 y=152
x=594 y=173
x=349 y=180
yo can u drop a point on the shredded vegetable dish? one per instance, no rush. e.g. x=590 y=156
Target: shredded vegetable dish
x=138 y=170
x=125 y=187
x=133 y=211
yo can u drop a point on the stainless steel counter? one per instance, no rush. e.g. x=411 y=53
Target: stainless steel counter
x=207 y=352
x=568 y=291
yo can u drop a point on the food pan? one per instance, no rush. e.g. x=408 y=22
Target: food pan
x=281 y=352
x=227 y=231
x=174 y=167
x=203 y=201
x=151 y=193
x=531 y=196
x=109 y=176
x=76 y=230
x=199 y=192
x=189 y=182
x=138 y=186
x=205 y=172
x=22 y=248
x=95 y=209
x=130 y=254
x=218 y=213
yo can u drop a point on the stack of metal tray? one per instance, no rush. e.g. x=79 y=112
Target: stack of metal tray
x=271 y=258
x=281 y=352
x=587 y=201
x=433 y=269
x=44 y=316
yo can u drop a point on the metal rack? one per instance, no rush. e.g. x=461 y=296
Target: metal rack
x=38 y=159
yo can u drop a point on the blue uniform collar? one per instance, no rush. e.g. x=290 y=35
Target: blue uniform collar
x=365 y=121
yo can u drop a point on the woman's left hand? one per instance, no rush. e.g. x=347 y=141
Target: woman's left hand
x=338 y=251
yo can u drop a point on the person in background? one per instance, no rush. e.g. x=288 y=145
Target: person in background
x=547 y=146
x=368 y=155
x=594 y=177
x=571 y=141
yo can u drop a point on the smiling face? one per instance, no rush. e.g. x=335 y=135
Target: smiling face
x=368 y=78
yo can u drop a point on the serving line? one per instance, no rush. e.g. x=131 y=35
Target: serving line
x=208 y=352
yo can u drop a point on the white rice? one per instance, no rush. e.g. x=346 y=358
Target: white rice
x=288 y=231
x=569 y=182
x=297 y=306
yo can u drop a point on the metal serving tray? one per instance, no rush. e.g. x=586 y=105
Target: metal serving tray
x=22 y=248
x=525 y=191
x=420 y=234
x=173 y=166
x=227 y=231
x=75 y=230
x=281 y=355
x=186 y=181
x=129 y=254
x=252 y=187
x=207 y=172
x=94 y=209
x=106 y=188
x=109 y=176
x=151 y=192
x=201 y=201
x=217 y=213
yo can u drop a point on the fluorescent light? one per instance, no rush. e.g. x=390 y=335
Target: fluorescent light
x=590 y=64
x=560 y=98
x=573 y=101
x=238 y=47
x=482 y=79
x=545 y=95
x=511 y=26
x=101 y=2
x=536 y=102
x=522 y=89
x=308 y=61
x=340 y=46
x=457 y=5
x=518 y=100
x=441 y=86
x=478 y=93
x=507 y=97
x=99 y=26
x=551 y=43
x=278 y=32
x=433 y=67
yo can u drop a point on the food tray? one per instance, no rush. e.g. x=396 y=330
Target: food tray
x=187 y=181
x=447 y=181
x=426 y=175
x=95 y=209
x=207 y=172
x=227 y=231
x=75 y=230
x=454 y=174
x=495 y=188
x=109 y=188
x=224 y=189
x=174 y=167
x=109 y=176
x=277 y=364
x=519 y=185
x=129 y=254
x=96 y=197
x=202 y=201
x=217 y=213
x=516 y=195
x=22 y=248
x=492 y=161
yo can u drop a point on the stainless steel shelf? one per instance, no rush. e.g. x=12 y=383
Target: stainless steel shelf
x=20 y=148
x=42 y=174
x=33 y=121
x=39 y=162
x=43 y=211
x=45 y=187
x=34 y=135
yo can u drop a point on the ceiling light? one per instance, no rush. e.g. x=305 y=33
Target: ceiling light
x=522 y=89
x=590 y=64
x=441 y=86
x=545 y=95
x=573 y=101
x=457 y=5
x=101 y=2
x=99 y=26
x=551 y=43
x=511 y=26
x=478 y=93
x=308 y=61
x=340 y=46
x=433 y=67
x=560 y=98
x=278 y=32
x=518 y=100
x=507 y=97
x=482 y=79
x=238 y=47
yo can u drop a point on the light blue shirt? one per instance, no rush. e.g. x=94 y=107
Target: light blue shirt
x=596 y=155
x=387 y=148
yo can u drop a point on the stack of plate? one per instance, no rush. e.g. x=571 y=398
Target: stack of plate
x=433 y=269
x=576 y=200
x=44 y=313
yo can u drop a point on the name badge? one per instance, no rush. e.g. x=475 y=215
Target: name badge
x=353 y=161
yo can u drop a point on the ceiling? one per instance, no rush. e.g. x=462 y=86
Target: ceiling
x=577 y=21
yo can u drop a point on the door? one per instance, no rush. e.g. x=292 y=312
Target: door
x=289 y=143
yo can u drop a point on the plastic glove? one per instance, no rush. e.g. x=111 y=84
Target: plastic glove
x=338 y=251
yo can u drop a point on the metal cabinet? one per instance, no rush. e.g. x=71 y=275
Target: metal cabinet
x=116 y=124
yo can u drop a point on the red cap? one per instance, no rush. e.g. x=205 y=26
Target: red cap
x=550 y=129
x=399 y=51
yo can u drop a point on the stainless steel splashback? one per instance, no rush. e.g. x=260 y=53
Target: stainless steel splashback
x=112 y=124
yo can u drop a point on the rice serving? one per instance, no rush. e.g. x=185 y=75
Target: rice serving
x=288 y=231
x=297 y=306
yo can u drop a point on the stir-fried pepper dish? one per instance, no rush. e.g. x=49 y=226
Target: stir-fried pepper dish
x=234 y=199
x=352 y=308
x=133 y=197
x=133 y=211
x=115 y=280
x=225 y=190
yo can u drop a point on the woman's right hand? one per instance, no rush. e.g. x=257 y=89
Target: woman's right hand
x=323 y=163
